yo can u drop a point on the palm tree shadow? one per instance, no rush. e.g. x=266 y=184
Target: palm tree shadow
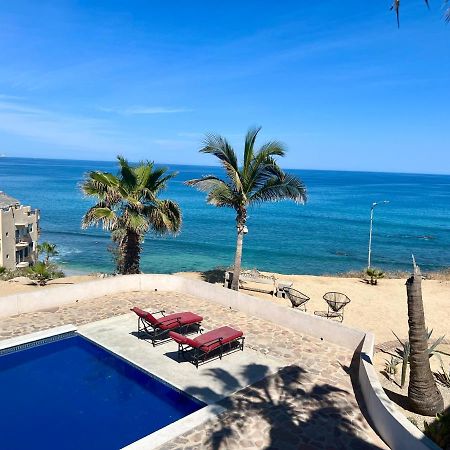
x=297 y=411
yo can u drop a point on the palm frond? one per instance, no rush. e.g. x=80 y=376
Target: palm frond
x=164 y=217
x=219 y=192
x=249 y=146
x=100 y=214
x=206 y=183
x=276 y=188
x=396 y=7
x=127 y=174
x=223 y=196
x=102 y=185
x=135 y=221
x=143 y=172
x=261 y=171
x=218 y=146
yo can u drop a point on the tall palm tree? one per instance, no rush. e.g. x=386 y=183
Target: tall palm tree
x=259 y=179
x=128 y=206
x=423 y=394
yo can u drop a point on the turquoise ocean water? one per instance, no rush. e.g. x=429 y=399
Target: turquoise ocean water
x=327 y=235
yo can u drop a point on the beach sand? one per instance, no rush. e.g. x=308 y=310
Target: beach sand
x=379 y=309
x=12 y=287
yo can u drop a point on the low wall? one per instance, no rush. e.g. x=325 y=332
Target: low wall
x=392 y=426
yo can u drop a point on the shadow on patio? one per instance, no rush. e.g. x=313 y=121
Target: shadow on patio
x=288 y=410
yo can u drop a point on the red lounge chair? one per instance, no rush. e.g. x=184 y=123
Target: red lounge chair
x=203 y=345
x=155 y=327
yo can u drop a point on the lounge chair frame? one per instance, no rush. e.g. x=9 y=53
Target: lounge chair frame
x=198 y=355
x=155 y=332
x=297 y=298
x=336 y=302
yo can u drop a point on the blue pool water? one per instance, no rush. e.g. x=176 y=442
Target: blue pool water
x=72 y=394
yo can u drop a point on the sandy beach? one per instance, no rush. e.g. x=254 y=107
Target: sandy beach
x=12 y=287
x=379 y=309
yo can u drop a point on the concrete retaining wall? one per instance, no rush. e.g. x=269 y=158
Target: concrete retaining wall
x=392 y=426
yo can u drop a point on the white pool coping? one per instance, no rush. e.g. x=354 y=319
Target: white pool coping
x=36 y=336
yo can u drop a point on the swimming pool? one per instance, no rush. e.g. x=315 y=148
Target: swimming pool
x=72 y=394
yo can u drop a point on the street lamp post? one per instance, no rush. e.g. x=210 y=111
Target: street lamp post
x=371 y=226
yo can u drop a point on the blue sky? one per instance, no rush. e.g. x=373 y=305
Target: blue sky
x=336 y=81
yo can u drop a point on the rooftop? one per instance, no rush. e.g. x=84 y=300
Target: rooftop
x=7 y=201
x=298 y=392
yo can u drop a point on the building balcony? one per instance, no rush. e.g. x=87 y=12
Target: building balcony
x=22 y=265
x=22 y=244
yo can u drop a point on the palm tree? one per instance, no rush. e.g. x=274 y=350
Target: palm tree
x=40 y=272
x=128 y=206
x=259 y=179
x=423 y=394
x=396 y=7
x=49 y=249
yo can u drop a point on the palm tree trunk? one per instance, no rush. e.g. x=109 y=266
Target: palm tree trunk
x=131 y=251
x=241 y=218
x=237 y=260
x=424 y=396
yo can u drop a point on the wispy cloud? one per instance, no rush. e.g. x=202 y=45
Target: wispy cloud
x=145 y=110
x=58 y=129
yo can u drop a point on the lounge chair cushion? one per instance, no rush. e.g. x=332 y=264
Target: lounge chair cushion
x=171 y=321
x=210 y=340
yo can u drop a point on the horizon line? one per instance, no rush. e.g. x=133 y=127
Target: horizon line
x=2 y=157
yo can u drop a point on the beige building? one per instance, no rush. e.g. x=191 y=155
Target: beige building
x=19 y=231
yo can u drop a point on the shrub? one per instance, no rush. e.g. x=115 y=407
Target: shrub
x=439 y=429
x=374 y=274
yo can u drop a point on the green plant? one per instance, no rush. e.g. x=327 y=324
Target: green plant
x=40 y=272
x=439 y=429
x=443 y=377
x=390 y=367
x=374 y=274
x=3 y=270
x=405 y=350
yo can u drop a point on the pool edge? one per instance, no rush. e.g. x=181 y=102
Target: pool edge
x=36 y=337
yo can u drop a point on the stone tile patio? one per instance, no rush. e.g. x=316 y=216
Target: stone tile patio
x=309 y=404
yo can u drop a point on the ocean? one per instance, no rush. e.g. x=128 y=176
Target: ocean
x=327 y=235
